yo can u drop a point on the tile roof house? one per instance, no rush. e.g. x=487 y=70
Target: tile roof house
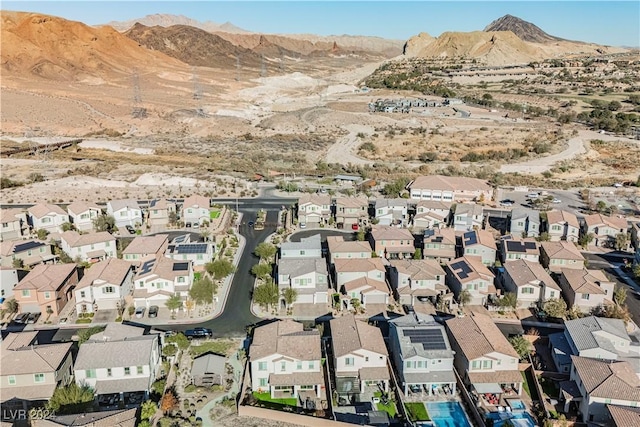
x=479 y=243
x=483 y=357
x=314 y=209
x=13 y=224
x=439 y=244
x=208 y=369
x=30 y=372
x=160 y=212
x=307 y=247
x=361 y=279
x=308 y=276
x=360 y=357
x=351 y=210
x=416 y=279
x=89 y=247
x=391 y=212
x=195 y=210
x=560 y=255
x=422 y=355
x=392 y=242
x=605 y=229
x=47 y=217
x=121 y=359
x=470 y=274
x=28 y=252
x=431 y=214
x=286 y=361
x=562 y=225
x=586 y=289
x=143 y=247
x=9 y=278
x=199 y=253
x=529 y=281
x=125 y=212
x=104 y=286
x=113 y=418
x=159 y=278
x=82 y=214
x=623 y=416
x=512 y=249
x=46 y=287
x=600 y=383
x=525 y=222
x=449 y=189
x=341 y=249
x=467 y=217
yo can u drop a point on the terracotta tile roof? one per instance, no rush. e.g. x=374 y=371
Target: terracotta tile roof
x=75 y=239
x=473 y=269
x=296 y=378
x=17 y=340
x=585 y=281
x=477 y=336
x=161 y=204
x=41 y=210
x=611 y=221
x=419 y=269
x=524 y=272
x=451 y=183
x=500 y=377
x=46 y=277
x=163 y=267
x=197 y=200
x=386 y=232
x=482 y=237
x=369 y=284
x=146 y=244
x=337 y=244
x=285 y=337
x=609 y=380
x=32 y=392
x=8 y=248
x=111 y=270
x=359 y=265
x=33 y=359
x=349 y=335
x=10 y=215
x=79 y=207
x=352 y=202
x=557 y=217
x=561 y=250
x=374 y=373
x=624 y=416
x=429 y=215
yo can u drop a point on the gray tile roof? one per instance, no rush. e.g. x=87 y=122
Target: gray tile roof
x=134 y=351
x=560 y=347
x=521 y=213
x=285 y=337
x=349 y=334
x=585 y=334
x=208 y=363
x=624 y=416
x=116 y=418
x=524 y=272
x=392 y=203
x=295 y=267
x=29 y=359
x=419 y=322
x=470 y=209
x=308 y=243
x=609 y=380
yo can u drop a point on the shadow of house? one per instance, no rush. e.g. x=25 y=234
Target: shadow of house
x=208 y=369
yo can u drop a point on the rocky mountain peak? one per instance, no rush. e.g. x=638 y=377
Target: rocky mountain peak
x=521 y=28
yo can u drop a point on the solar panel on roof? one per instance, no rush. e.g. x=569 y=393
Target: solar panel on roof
x=530 y=245
x=470 y=238
x=153 y=203
x=513 y=246
x=429 y=233
x=147 y=266
x=181 y=266
x=26 y=246
x=196 y=248
x=431 y=339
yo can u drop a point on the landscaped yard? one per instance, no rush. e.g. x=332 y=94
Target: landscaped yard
x=266 y=397
x=218 y=346
x=389 y=408
x=213 y=214
x=417 y=411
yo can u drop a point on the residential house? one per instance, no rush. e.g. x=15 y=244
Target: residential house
x=13 y=224
x=416 y=279
x=308 y=276
x=529 y=281
x=562 y=225
x=286 y=361
x=432 y=214
x=341 y=249
x=30 y=372
x=143 y=247
x=596 y=338
x=46 y=289
x=560 y=255
x=422 y=355
x=450 y=189
x=586 y=289
x=439 y=244
x=104 y=286
x=360 y=358
x=595 y=384
x=125 y=212
x=115 y=417
x=391 y=212
x=26 y=253
x=90 y=247
x=525 y=222
x=160 y=278
x=120 y=360
x=351 y=211
x=307 y=247
x=623 y=416
x=392 y=242
x=470 y=274
x=208 y=369
x=479 y=243
x=161 y=212
x=362 y=280
x=314 y=209
x=483 y=357
x=605 y=229
x=9 y=278
x=512 y=249
x=195 y=210
x=199 y=253
x=467 y=217
x=82 y=214
x=47 y=217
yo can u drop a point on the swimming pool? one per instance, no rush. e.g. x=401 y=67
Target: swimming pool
x=447 y=414
x=518 y=419
x=516 y=404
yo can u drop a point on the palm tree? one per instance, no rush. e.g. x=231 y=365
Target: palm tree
x=12 y=306
x=173 y=303
x=464 y=298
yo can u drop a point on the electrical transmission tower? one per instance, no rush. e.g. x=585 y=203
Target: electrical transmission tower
x=138 y=111
x=263 y=67
x=238 y=67
x=197 y=93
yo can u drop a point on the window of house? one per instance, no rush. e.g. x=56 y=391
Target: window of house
x=419 y=363
x=47 y=295
x=181 y=279
x=552 y=294
x=527 y=290
x=90 y=373
x=312 y=365
x=306 y=387
x=26 y=293
x=486 y=364
x=475 y=364
x=139 y=370
x=127 y=370
x=41 y=250
x=123 y=214
x=283 y=366
x=585 y=296
x=299 y=366
x=108 y=290
x=38 y=378
x=12 y=379
x=348 y=361
x=302 y=252
x=200 y=257
x=408 y=364
x=263 y=382
x=109 y=372
x=107 y=244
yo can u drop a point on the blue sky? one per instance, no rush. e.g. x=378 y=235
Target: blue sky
x=605 y=22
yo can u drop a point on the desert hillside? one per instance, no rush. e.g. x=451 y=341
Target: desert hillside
x=168 y=20
x=524 y=30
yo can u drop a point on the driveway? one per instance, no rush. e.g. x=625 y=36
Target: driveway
x=104 y=316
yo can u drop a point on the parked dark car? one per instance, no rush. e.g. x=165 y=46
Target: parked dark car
x=21 y=318
x=130 y=229
x=408 y=309
x=153 y=311
x=198 y=333
x=33 y=317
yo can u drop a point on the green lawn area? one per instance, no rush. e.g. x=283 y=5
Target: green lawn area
x=549 y=387
x=266 y=397
x=417 y=411
x=217 y=346
x=196 y=276
x=85 y=320
x=525 y=383
x=213 y=214
x=389 y=408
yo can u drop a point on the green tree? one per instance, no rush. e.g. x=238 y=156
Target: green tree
x=265 y=251
x=464 y=298
x=173 y=303
x=85 y=334
x=169 y=350
x=202 y=291
x=180 y=340
x=360 y=235
x=622 y=241
x=67 y=226
x=510 y=299
x=395 y=188
x=148 y=410
x=219 y=269
x=620 y=295
x=601 y=206
x=71 y=399
x=12 y=306
x=543 y=237
x=614 y=106
x=290 y=296
x=417 y=254
x=522 y=346
x=261 y=270
x=104 y=223
x=17 y=263
x=585 y=239
x=42 y=234
x=555 y=307
x=266 y=295
x=636 y=270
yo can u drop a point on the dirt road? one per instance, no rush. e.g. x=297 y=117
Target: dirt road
x=344 y=148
